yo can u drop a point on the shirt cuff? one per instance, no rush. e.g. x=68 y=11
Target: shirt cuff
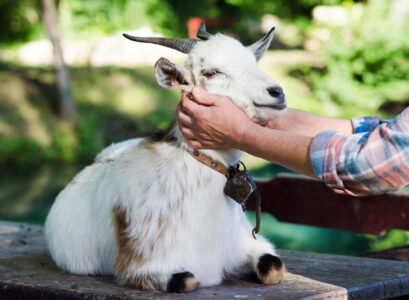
x=318 y=151
x=365 y=124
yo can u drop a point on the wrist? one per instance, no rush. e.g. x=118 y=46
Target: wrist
x=283 y=122
x=276 y=124
x=245 y=135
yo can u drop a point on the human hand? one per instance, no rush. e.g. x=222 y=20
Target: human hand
x=213 y=122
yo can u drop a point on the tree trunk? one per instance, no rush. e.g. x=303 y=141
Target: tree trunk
x=49 y=16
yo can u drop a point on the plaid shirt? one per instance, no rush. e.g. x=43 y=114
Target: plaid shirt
x=374 y=159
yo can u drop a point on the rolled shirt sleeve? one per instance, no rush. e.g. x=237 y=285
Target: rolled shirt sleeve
x=373 y=160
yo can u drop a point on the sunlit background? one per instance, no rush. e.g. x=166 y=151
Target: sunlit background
x=339 y=58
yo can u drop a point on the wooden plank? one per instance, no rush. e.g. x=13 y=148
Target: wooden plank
x=362 y=277
x=299 y=199
x=27 y=272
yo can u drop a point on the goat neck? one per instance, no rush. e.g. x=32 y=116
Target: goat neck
x=226 y=156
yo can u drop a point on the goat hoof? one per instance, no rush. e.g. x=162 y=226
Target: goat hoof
x=183 y=282
x=270 y=269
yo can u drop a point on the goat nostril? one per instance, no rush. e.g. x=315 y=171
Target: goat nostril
x=275 y=91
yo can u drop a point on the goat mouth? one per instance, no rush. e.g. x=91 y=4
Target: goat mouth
x=278 y=106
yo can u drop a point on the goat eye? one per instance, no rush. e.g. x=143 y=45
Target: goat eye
x=209 y=73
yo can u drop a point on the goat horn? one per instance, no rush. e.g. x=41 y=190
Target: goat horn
x=182 y=45
x=202 y=33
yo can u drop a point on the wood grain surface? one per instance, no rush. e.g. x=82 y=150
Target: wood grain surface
x=28 y=272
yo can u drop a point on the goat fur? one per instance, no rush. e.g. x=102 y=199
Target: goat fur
x=145 y=210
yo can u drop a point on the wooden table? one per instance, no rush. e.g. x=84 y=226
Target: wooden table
x=27 y=272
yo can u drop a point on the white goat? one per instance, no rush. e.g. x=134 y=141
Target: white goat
x=150 y=213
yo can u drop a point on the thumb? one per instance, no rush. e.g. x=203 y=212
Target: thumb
x=203 y=97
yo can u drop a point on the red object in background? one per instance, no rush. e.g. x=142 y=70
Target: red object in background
x=193 y=24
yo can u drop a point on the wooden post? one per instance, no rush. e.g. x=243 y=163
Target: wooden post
x=49 y=17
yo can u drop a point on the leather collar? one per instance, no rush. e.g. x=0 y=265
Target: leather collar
x=210 y=162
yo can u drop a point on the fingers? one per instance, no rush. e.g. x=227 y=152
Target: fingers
x=195 y=144
x=193 y=117
x=203 y=97
x=188 y=133
x=191 y=136
x=196 y=141
x=188 y=106
x=184 y=119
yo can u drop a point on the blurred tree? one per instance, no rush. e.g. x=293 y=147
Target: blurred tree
x=49 y=16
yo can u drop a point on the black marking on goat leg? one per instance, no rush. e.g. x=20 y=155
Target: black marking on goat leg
x=177 y=282
x=267 y=262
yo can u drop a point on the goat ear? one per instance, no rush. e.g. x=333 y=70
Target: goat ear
x=261 y=46
x=172 y=76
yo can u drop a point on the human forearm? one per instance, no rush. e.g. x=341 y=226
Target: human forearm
x=308 y=124
x=218 y=123
x=288 y=149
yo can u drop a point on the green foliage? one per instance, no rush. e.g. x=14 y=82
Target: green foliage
x=20 y=152
x=19 y=20
x=367 y=62
x=393 y=239
x=90 y=140
x=114 y=104
x=82 y=19
x=282 y=8
x=63 y=147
